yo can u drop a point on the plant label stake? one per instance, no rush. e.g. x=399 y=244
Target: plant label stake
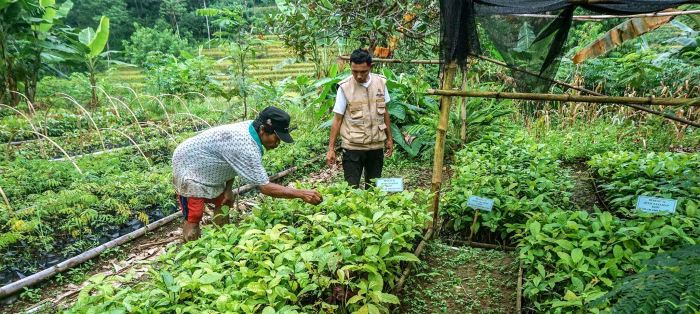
x=656 y=205
x=478 y=203
x=482 y=203
x=390 y=184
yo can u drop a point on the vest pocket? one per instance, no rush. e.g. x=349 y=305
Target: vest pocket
x=381 y=108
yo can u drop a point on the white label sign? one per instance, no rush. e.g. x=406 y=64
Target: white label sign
x=656 y=205
x=476 y=202
x=390 y=184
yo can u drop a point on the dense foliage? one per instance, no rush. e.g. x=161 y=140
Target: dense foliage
x=626 y=175
x=287 y=257
x=521 y=176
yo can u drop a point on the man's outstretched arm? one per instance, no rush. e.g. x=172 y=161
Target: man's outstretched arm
x=280 y=191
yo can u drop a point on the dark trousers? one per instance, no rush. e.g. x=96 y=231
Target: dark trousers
x=357 y=161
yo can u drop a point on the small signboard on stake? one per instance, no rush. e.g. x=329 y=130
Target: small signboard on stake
x=656 y=205
x=390 y=184
x=482 y=203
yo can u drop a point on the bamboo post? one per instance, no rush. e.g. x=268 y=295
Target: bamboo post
x=463 y=110
x=440 y=134
x=621 y=100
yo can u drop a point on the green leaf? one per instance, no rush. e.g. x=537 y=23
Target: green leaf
x=210 y=278
x=404 y=257
x=576 y=255
x=86 y=36
x=388 y=298
x=269 y=310
x=372 y=250
x=534 y=228
x=570 y=296
x=355 y=299
x=99 y=41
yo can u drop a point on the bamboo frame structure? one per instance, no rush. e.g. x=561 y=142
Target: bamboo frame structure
x=560 y=83
x=440 y=134
x=620 y=100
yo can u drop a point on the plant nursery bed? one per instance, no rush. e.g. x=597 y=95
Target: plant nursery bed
x=462 y=280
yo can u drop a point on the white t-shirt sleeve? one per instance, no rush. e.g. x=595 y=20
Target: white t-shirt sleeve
x=386 y=95
x=341 y=102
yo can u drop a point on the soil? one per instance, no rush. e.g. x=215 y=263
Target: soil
x=584 y=194
x=461 y=280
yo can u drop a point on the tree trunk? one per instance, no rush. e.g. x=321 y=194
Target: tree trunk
x=93 y=87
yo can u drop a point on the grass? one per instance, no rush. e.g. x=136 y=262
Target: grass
x=461 y=280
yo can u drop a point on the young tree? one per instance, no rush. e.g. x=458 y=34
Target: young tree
x=237 y=38
x=89 y=49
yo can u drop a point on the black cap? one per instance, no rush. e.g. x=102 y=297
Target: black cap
x=278 y=120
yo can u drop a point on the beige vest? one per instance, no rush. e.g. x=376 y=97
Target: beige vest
x=363 y=122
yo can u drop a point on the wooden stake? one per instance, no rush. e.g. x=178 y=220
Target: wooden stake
x=440 y=134
x=471 y=229
x=694 y=102
x=428 y=234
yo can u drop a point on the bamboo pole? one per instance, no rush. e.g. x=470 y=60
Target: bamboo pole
x=45 y=274
x=445 y=102
x=694 y=102
x=483 y=245
x=519 y=300
x=386 y=60
x=463 y=110
x=607 y=17
x=428 y=234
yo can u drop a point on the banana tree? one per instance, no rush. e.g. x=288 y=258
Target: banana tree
x=89 y=49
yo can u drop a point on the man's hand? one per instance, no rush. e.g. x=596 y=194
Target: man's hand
x=330 y=157
x=310 y=196
x=389 y=148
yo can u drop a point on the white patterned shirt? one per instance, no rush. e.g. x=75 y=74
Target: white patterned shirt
x=204 y=163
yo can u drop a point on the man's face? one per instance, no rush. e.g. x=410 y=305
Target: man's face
x=268 y=140
x=360 y=71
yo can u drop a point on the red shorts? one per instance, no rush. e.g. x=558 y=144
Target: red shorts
x=193 y=207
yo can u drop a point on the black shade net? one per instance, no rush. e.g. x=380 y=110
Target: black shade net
x=533 y=44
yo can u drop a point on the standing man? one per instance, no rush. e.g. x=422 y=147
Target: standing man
x=204 y=166
x=362 y=119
